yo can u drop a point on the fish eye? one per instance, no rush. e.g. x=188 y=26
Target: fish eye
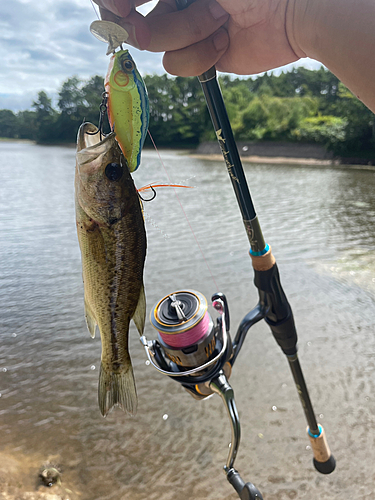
x=113 y=171
x=127 y=65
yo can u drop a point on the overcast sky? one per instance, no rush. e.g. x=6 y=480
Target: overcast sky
x=43 y=42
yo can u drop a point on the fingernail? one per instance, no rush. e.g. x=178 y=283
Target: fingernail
x=217 y=10
x=221 y=40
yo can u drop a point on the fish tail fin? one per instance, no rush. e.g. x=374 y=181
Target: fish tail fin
x=139 y=317
x=117 y=389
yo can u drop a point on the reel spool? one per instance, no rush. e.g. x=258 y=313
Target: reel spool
x=185 y=328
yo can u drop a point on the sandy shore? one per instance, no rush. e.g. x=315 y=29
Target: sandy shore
x=20 y=479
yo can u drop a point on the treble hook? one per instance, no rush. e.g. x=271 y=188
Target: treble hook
x=153 y=196
x=102 y=111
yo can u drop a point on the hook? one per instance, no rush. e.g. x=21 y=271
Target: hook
x=102 y=111
x=153 y=196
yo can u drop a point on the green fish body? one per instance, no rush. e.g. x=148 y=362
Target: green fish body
x=112 y=240
x=128 y=107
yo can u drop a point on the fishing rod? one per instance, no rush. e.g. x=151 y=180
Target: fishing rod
x=191 y=347
x=181 y=356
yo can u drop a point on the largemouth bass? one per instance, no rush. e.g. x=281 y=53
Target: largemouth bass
x=112 y=239
x=128 y=107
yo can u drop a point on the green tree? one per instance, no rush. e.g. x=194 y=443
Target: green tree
x=45 y=118
x=237 y=97
x=326 y=130
x=27 y=125
x=71 y=107
x=274 y=118
x=92 y=95
x=359 y=130
x=178 y=114
x=8 y=124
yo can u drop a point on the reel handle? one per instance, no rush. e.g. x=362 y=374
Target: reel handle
x=246 y=491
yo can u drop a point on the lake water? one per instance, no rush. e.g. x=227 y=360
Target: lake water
x=320 y=223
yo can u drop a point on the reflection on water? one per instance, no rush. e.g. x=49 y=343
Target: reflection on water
x=320 y=224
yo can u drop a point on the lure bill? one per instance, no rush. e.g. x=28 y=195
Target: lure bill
x=128 y=108
x=111 y=33
x=112 y=240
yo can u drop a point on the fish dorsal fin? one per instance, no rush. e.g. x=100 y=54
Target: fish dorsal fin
x=140 y=312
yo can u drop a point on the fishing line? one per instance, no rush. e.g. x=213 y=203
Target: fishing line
x=183 y=211
x=93 y=6
x=149 y=219
x=189 y=337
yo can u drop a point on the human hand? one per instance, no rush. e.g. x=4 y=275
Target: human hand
x=239 y=36
x=123 y=12
x=168 y=29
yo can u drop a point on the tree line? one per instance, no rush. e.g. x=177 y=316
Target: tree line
x=300 y=106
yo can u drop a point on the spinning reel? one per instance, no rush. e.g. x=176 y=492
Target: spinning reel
x=198 y=353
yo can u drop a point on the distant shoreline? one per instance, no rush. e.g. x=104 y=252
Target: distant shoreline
x=271 y=160
x=283 y=160
x=267 y=159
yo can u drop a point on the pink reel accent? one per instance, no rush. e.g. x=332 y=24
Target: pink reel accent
x=188 y=338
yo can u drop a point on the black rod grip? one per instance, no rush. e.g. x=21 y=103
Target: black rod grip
x=279 y=314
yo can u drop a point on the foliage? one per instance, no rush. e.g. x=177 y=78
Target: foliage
x=46 y=118
x=300 y=105
x=273 y=118
x=327 y=130
x=8 y=124
x=178 y=114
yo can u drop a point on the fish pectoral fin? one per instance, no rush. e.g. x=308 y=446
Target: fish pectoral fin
x=139 y=316
x=90 y=320
x=117 y=389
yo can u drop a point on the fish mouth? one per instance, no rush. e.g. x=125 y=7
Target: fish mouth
x=91 y=143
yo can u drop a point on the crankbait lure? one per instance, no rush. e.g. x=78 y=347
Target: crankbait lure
x=126 y=95
x=128 y=109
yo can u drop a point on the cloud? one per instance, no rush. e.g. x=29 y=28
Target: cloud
x=44 y=43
